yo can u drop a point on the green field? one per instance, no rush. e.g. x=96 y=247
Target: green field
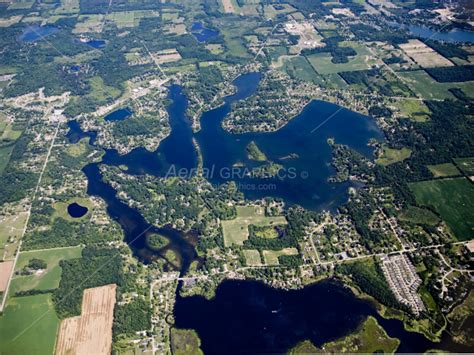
x=252 y=257
x=466 y=165
x=418 y=215
x=461 y=320
x=236 y=231
x=299 y=68
x=321 y=62
x=427 y=88
x=414 y=109
x=47 y=280
x=271 y=256
x=5 y=157
x=28 y=326
x=391 y=156
x=452 y=199
x=443 y=170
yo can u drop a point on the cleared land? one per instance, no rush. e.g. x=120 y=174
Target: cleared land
x=461 y=320
x=423 y=55
x=391 y=156
x=228 y=6
x=452 y=199
x=271 y=256
x=322 y=63
x=416 y=110
x=443 y=170
x=91 y=332
x=5 y=271
x=236 y=231
x=43 y=279
x=252 y=257
x=185 y=341
x=18 y=333
x=11 y=228
x=426 y=87
x=466 y=165
x=419 y=216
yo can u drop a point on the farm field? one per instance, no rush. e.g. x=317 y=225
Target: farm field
x=427 y=88
x=252 y=257
x=419 y=216
x=91 y=332
x=18 y=332
x=466 y=165
x=443 y=170
x=299 y=68
x=271 y=256
x=322 y=64
x=47 y=280
x=236 y=230
x=414 y=109
x=453 y=199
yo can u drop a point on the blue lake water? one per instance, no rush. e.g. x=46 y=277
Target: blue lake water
x=303 y=179
x=453 y=36
x=456 y=35
x=96 y=43
x=34 y=32
x=119 y=115
x=75 y=210
x=202 y=33
x=250 y=317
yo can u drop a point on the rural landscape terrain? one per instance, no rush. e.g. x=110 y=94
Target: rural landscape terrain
x=236 y=176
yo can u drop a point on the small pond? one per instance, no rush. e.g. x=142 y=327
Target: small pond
x=75 y=210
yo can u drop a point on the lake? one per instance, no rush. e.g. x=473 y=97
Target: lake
x=251 y=317
x=304 y=155
x=35 y=32
x=119 y=115
x=456 y=35
x=202 y=33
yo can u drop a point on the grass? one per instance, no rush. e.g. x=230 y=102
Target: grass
x=414 y=109
x=18 y=332
x=391 y=156
x=61 y=209
x=271 y=256
x=443 y=170
x=49 y=279
x=466 y=165
x=299 y=68
x=419 y=215
x=101 y=92
x=184 y=342
x=452 y=199
x=321 y=62
x=370 y=338
x=11 y=228
x=5 y=157
x=236 y=231
x=252 y=257
x=427 y=88
x=266 y=232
